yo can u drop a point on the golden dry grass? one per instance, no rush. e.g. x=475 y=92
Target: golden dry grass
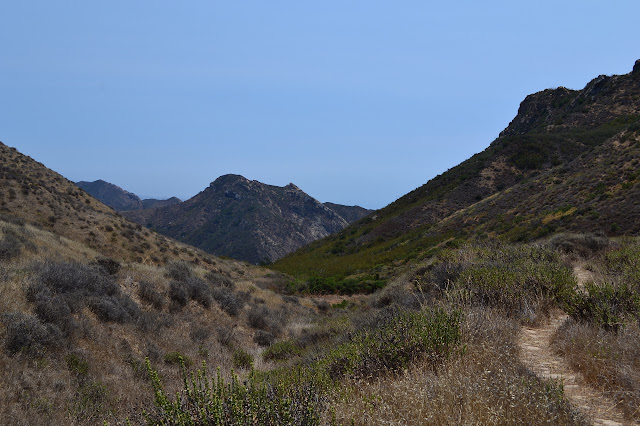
x=41 y=389
x=610 y=362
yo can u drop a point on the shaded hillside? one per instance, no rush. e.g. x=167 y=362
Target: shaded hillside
x=152 y=203
x=349 y=213
x=111 y=195
x=31 y=192
x=119 y=199
x=567 y=161
x=246 y=219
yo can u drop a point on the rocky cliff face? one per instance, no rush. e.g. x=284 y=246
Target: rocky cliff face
x=246 y=219
x=603 y=99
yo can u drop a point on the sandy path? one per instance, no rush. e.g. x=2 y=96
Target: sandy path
x=537 y=354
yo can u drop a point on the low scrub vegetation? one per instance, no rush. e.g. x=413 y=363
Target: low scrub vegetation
x=602 y=339
x=429 y=343
x=522 y=281
x=482 y=383
x=212 y=400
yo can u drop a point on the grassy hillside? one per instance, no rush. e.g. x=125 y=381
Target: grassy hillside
x=32 y=193
x=76 y=328
x=567 y=162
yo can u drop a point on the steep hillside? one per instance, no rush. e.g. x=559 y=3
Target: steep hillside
x=567 y=161
x=87 y=296
x=246 y=219
x=31 y=192
x=119 y=199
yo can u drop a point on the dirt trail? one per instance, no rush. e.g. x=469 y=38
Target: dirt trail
x=539 y=357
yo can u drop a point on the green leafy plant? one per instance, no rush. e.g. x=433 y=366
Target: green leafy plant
x=282 y=351
x=214 y=401
x=242 y=359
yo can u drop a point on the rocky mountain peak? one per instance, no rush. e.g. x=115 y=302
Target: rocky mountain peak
x=601 y=100
x=228 y=180
x=538 y=108
x=292 y=187
x=249 y=220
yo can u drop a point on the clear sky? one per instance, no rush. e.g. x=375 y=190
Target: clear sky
x=356 y=102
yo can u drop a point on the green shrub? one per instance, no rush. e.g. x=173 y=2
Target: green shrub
x=213 y=401
x=77 y=364
x=334 y=285
x=605 y=304
x=282 y=351
x=392 y=346
x=242 y=359
x=176 y=358
x=518 y=280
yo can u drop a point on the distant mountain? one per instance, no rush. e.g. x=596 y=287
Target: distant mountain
x=568 y=162
x=119 y=199
x=248 y=220
x=152 y=203
x=111 y=195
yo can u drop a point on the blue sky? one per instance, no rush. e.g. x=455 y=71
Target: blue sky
x=356 y=102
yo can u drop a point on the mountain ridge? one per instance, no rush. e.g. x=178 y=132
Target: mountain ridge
x=504 y=191
x=36 y=195
x=247 y=219
x=120 y=199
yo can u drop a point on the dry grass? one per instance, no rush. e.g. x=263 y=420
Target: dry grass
x=39 y=388
x=483 y=385
x=602 y=339
x=479 y=385
x=610 y=362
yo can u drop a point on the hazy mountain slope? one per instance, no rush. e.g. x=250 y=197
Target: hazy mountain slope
x=245 y=219
x=31 y=192
x=152 y=203
x=349 y=213
x=111 y=195
x=567 y=154
x=121 y=200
